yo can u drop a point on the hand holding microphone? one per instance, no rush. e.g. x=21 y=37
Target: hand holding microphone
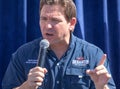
x=36 y=75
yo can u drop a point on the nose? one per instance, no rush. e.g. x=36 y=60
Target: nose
x=49 y=25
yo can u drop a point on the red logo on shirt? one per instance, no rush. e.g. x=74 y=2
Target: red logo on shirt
x=79 y=58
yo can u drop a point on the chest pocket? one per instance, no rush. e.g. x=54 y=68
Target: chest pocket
x=76 y=78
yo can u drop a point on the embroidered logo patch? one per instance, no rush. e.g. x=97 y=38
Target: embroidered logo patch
x=80 y=61
x=31 y=61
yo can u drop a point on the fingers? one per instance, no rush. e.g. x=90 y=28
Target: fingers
x=99 y=67
x=102 y=61
x=100 y=74
x=99 y=70
x=36 y=76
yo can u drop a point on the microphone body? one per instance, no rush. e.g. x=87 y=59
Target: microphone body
x=44 y=44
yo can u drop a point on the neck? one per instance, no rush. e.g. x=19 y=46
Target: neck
x=59 y=49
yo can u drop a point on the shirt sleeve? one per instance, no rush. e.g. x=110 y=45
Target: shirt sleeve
x=14 y=75
x=98 y=56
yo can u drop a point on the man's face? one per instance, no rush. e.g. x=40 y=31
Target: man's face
x=54 y=26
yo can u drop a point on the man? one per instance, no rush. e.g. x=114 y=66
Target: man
x=71 y=63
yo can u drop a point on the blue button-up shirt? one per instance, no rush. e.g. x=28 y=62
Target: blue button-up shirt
x=68 y=72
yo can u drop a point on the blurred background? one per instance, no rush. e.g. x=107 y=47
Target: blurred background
x=98 y=23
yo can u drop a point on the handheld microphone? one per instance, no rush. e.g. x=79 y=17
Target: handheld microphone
x=44 y=44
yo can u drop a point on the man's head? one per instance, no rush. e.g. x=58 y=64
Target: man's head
x=57 y=20
x=68 y=5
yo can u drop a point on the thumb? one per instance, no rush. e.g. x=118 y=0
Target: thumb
x=45 y=70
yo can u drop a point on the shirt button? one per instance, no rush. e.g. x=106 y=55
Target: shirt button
x=80 y=76
x=58 y=82
x=58 y=64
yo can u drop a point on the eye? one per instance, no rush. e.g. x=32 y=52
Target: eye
x=43 y=18
x=56 y=20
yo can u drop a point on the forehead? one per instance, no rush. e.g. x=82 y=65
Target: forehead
x=52 y=9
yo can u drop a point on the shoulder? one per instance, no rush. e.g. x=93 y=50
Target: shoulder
x=27 y=50
x=30 y=45
x=89 y=49
x=87 y=45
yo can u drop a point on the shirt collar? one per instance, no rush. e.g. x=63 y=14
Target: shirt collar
x=72 y=41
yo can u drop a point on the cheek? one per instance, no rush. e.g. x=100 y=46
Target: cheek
x=63 y=32
x=41 y=24
x=62 y=26
x=41 y=28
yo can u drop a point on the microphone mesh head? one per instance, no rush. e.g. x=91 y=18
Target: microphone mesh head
x=44 y=43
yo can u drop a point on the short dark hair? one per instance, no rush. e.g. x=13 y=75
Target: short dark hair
x=68 y=5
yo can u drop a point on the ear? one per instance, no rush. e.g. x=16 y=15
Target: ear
x=72 y=23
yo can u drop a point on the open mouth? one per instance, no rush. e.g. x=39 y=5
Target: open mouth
x=48 y=34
